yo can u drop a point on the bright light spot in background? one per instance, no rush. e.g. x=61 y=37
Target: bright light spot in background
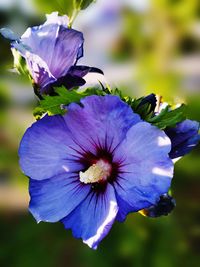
x=138 y=5
x=25 y=5
x=7 y=4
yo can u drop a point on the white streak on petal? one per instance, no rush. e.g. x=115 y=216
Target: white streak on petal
x=41 y=34
x=163 y=141
x=105 y=227
x=162 y=172
x=176 y=159
x=65 y=168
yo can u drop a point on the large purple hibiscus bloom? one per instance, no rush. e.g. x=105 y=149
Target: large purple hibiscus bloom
x=51 y=52
x=94 y=165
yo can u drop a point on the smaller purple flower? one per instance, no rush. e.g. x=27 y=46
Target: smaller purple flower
x=163 y=207
x=184 y=138
x=51 y=51
x=151 y=100
x=94 y=165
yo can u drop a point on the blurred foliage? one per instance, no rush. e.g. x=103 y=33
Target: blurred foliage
x=69 y=7
x=152 y=41
x=160 y=35
x=62 y=6
x=139 y=242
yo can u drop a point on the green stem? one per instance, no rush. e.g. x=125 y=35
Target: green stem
x=73 y=17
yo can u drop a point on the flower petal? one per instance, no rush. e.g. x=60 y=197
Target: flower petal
x=54 y=18
x=184 y=138
x=54 y=144
x=64 y=46
x=47 y=149
x=37 y=67
x=81 y=71
x=100 y=121
x=53 y=199
x=146 y=169
x=9 y=34
x=93 y=218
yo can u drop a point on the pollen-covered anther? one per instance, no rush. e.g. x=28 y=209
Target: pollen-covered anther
x=99 y=171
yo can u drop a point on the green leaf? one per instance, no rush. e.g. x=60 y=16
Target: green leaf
x=69 y=7
x=62 y=6
x=38 y=112
x=143 y=110
x=54 y=104
x=169 y=118
x=83 y=4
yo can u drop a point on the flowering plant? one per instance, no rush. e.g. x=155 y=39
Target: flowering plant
x=93 y=156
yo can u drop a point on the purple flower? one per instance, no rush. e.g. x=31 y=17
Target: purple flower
x=94 y=165
x=51 y=52
x=151 y=100
x=163 y=207
x=184 y=138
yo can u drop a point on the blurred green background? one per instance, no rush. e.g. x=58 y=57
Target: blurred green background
x=143 y=46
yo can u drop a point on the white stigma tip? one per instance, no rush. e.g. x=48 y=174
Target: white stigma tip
x=95 y=173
